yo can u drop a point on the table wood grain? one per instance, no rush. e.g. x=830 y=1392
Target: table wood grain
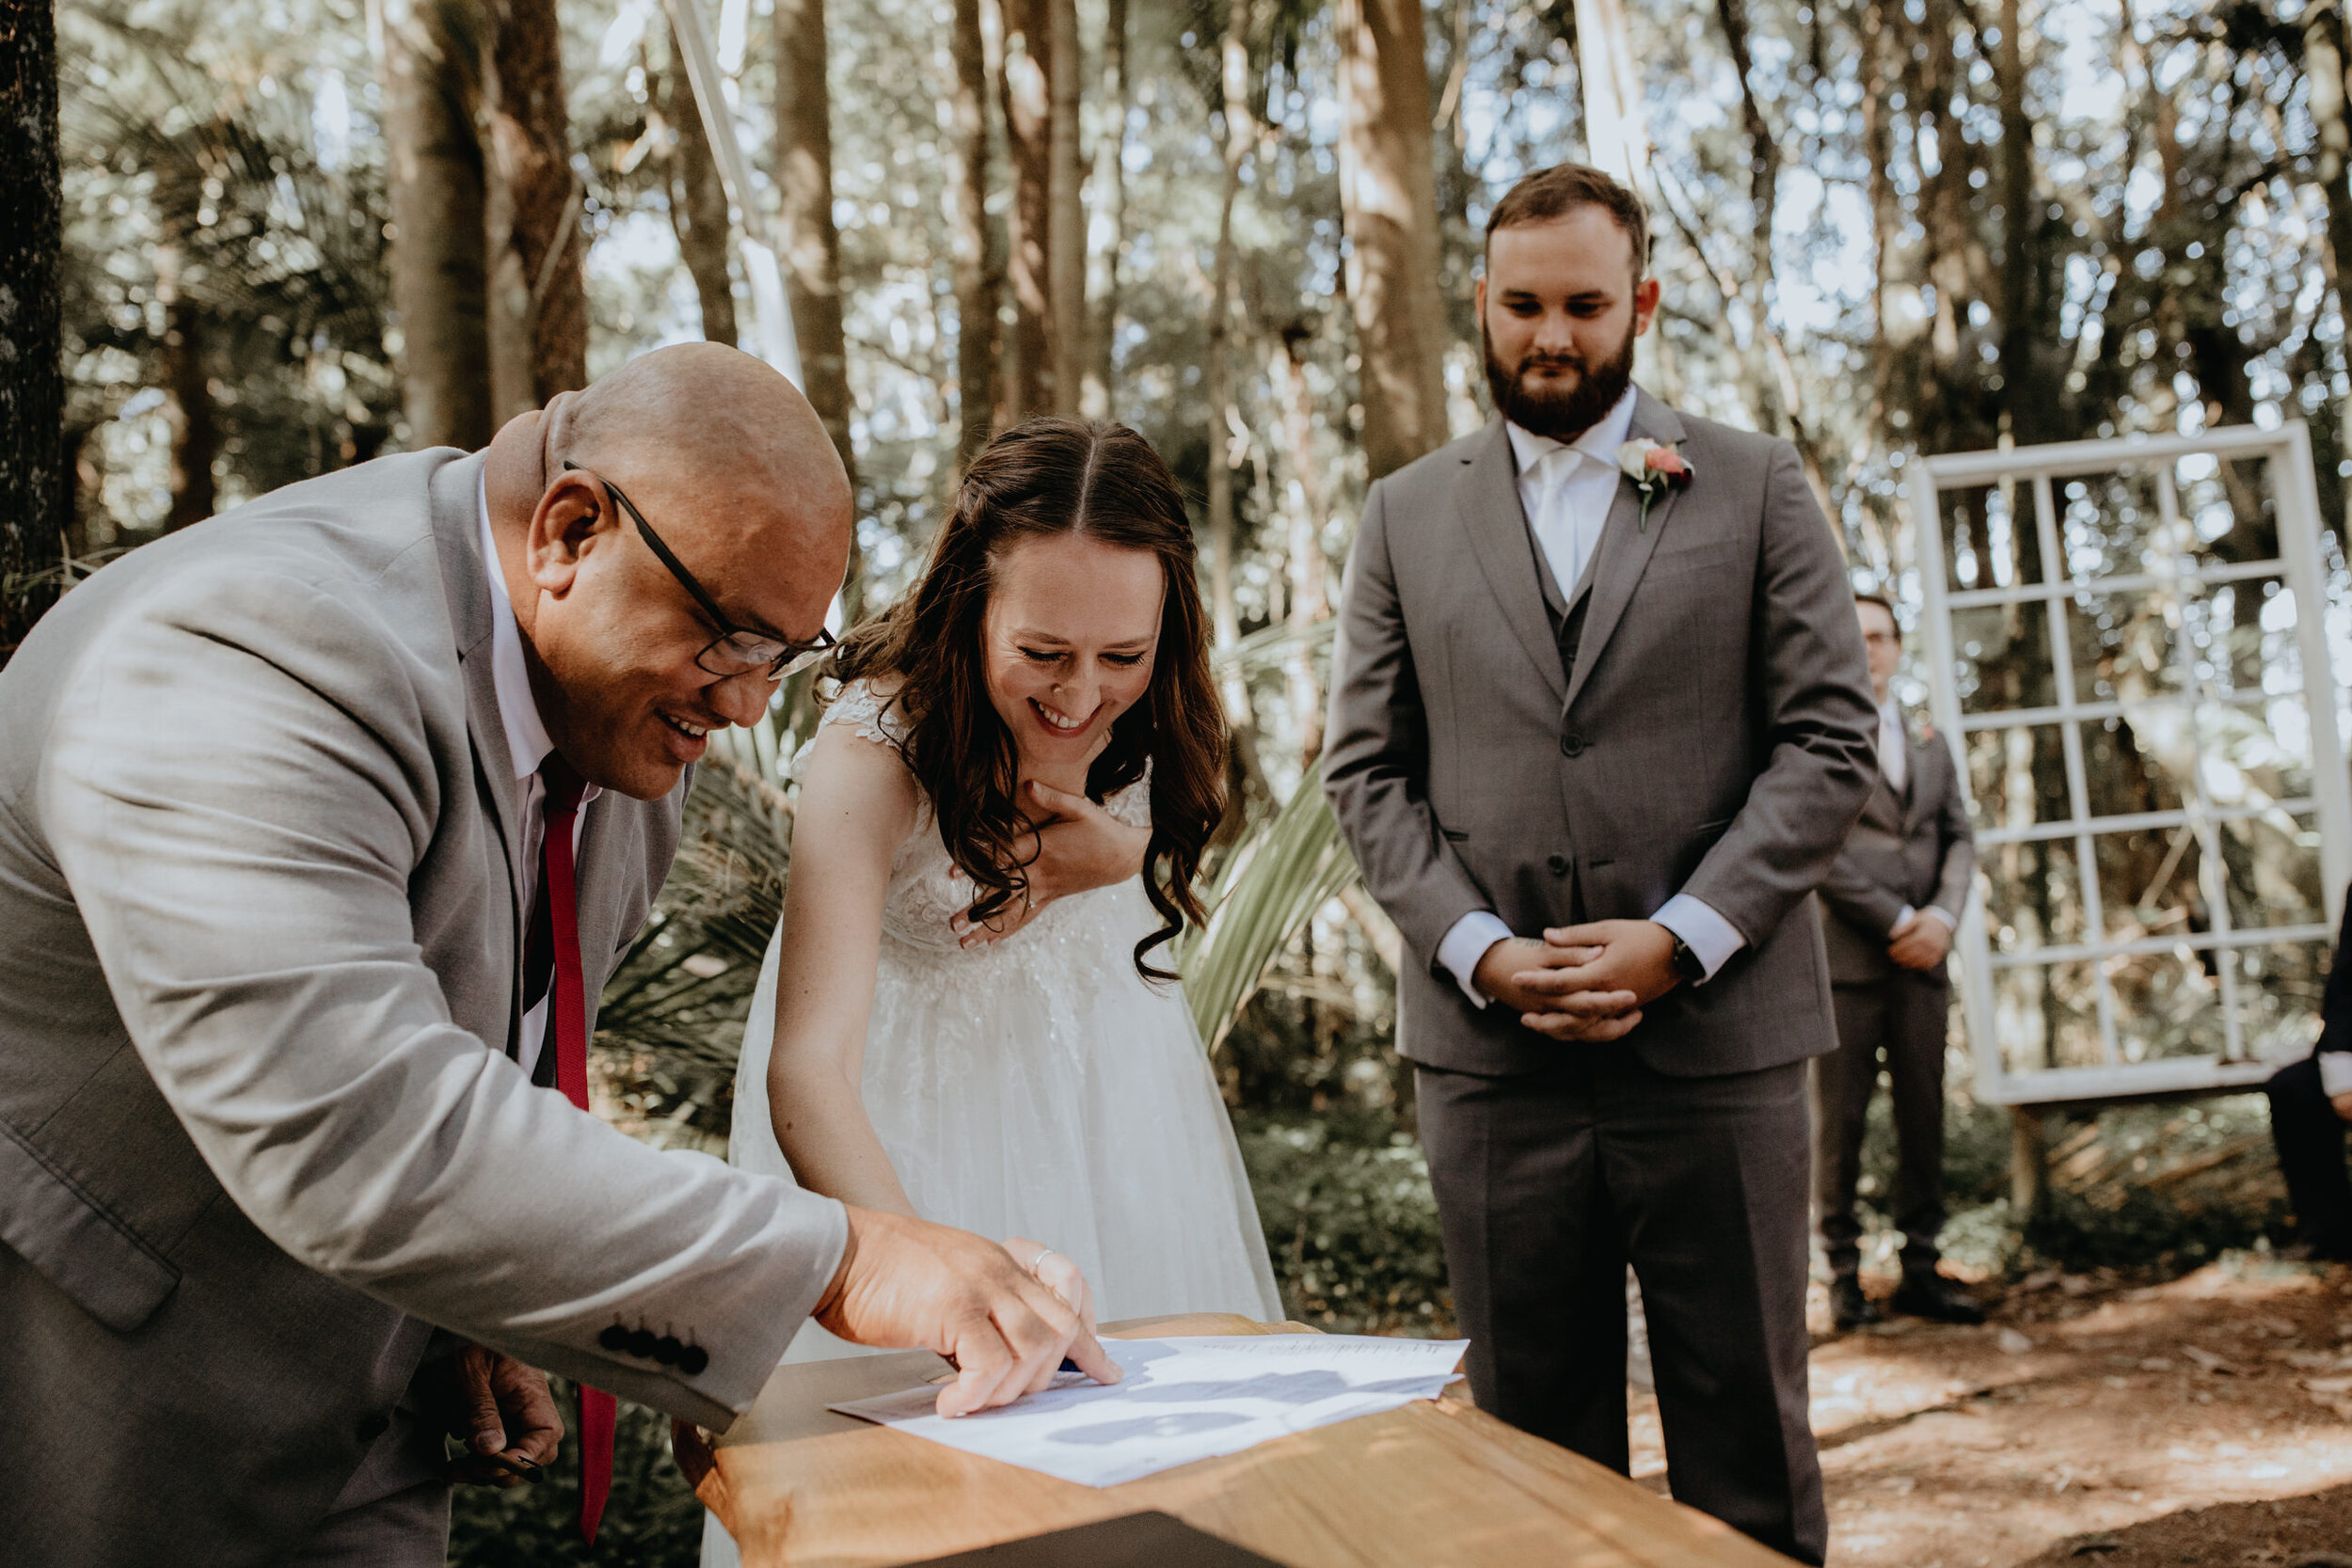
x=1436 y=1484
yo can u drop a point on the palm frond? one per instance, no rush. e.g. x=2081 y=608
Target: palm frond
x=1289 y=866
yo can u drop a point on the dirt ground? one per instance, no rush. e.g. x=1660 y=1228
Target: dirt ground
x=2208 y=1420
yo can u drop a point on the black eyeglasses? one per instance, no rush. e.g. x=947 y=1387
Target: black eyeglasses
x=737 y=650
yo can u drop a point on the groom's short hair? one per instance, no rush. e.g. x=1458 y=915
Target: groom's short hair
x=1563 y=188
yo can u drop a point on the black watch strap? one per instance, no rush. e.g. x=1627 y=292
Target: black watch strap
x=1687 y=963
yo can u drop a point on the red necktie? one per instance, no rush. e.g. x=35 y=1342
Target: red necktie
x=567 y=1036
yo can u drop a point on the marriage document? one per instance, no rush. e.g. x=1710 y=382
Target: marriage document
x=1183 y=1399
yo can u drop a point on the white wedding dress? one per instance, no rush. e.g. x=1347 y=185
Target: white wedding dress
x=1034 y=1086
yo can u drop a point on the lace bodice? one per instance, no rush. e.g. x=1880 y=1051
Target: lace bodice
x=927 y=891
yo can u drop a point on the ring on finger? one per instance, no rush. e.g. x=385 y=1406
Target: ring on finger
x=1038 y=1258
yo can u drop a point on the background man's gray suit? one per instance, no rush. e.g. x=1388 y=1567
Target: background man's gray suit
x=1693 y=717
x=259 y=988
x=1909 y=849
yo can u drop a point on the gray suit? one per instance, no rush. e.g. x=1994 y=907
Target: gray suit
x=1691 y=717
x=1913 y=849
x=259 y=991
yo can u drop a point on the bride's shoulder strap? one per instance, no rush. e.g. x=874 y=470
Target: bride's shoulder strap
x=871 y=715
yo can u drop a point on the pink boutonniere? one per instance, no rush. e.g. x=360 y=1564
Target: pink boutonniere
x=1653 y=467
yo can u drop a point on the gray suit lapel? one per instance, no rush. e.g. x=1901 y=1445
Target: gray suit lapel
x=457 y=532
x=1626 y=544
x=1487 y=498
x=1926 y=792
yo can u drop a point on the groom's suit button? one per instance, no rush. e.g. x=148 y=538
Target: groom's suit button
x=614 y=1339
x=640 y=1343
x=374 y=1427
x=693 y=1359
x=1558 y=864
x=667 y=1349
x=1571 y=745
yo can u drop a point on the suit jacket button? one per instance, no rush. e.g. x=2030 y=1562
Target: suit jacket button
x=693 y=1359
x=374 y=1427
x=614 y=1339
x=1558 y=864
x=1571 y=745
x=667 y=1349
x=640 y=1343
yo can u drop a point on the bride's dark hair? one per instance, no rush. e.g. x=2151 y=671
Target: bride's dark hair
x=1046 y=477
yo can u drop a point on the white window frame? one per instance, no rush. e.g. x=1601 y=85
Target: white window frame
x=2032 y=469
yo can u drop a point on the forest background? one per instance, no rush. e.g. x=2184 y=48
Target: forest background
x=249 y=241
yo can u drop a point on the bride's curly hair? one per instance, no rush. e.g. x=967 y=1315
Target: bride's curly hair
x=1044 y=477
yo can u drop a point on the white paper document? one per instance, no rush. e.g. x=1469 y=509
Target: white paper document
x=1183 y=1399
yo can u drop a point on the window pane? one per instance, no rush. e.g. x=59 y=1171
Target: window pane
x=2227 y=507
x=2168 y=1004
x=2125 y=644
x=2017 y=777
x=2273 y=870
x=2130 y=761
x=1989 y=537
x=2004 y=658
x=2242 y=637
x=2048 y=1015
x=2148 y=884
x=2032 y=899
x=2279 y=989
x=2110 y=525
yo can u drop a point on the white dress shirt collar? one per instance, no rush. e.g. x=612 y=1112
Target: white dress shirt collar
x=1610 y=432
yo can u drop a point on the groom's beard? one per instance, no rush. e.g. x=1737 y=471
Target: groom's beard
x=1561 y=413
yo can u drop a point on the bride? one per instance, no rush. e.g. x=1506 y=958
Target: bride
x=966 y=1013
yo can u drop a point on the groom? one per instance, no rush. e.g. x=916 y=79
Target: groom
x=320 y=825
x=1593 y=739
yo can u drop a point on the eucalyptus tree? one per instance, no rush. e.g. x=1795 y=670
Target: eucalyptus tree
x=34 y=493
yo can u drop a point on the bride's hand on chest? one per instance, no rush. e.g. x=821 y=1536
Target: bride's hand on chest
x=1078 y=845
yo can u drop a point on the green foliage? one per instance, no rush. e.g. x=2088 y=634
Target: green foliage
x=1291 y=866
x=651 y=1520
x=1350 y=1222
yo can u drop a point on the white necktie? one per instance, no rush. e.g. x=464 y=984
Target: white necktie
x=1893 y=751
x=1556 y=526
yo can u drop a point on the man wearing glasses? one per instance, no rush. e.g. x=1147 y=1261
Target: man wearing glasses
x=321 y=826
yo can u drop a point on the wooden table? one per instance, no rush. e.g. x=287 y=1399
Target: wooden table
x=1435 y=1485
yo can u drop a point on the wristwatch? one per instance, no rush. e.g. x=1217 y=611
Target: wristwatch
x=1688 y=964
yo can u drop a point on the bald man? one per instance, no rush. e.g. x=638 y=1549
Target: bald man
x=320 y=825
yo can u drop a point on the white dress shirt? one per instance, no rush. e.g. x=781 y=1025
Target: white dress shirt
x=2335 y=1072
x=528 y=743
x=1567 y=490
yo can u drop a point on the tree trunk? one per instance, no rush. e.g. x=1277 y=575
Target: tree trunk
x=2324 y=74
x=1110 y=198
x=1309 y=592
x=2025 y=391
x=195 y=427
x=698 y=202
x=978 y=254
x=1066 y=222
x=538 y=290
x=1388 y=197
x=1218 y=374
x=812 y=246
x=430 y=74
x=35 y=495
x=1763 y=162
x=1024 y=81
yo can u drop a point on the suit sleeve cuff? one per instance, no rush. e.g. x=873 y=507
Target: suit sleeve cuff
x=1466 y=943
x=2335 y=1072
x=1702 y=930
x=1951 y=922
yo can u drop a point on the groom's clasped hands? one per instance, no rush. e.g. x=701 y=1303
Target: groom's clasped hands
x=1587 y=982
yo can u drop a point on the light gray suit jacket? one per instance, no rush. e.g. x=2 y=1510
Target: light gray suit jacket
x=1715 y=738
x=258 y=996
x=1914 y=848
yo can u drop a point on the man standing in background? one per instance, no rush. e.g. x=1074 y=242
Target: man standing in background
x=1891 y=905
x=1600 y=723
